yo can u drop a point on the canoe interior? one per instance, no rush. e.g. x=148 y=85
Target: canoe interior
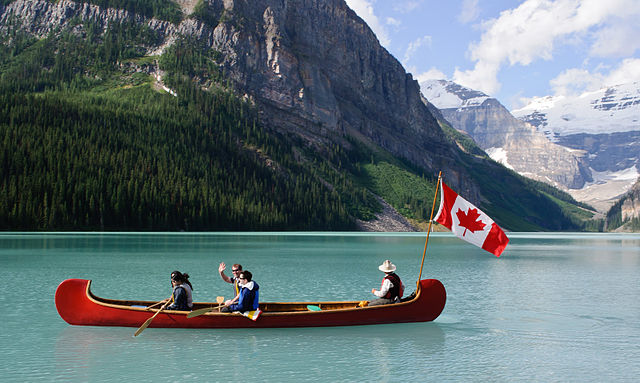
x=266 y=307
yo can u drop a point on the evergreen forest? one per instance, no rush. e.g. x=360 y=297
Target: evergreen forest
x=89 y=142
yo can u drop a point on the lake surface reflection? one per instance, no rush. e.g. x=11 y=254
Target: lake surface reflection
x=554 y=307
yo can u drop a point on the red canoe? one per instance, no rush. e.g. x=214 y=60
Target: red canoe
x=78 y=306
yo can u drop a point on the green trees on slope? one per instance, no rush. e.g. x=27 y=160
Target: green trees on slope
x=88 y=145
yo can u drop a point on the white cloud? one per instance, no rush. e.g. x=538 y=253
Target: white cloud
x=364 y=9
x=628 y=71
x=618 y=39
x=414 y=46
x=406 y=6
x=393 y=22
x=573 y=82
x=534 y=29
x=431 y=74
x=483 y=77
x=469 y=12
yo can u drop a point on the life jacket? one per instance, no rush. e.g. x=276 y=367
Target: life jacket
x=248 y=290
x=397 y=289
x=236 y=286
x=256 y=297
x=253 y=286
x=187 y=290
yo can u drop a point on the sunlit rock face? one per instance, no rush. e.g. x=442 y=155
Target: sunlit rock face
x=514 y=143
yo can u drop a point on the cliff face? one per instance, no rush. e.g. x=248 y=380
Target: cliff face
x=520 y=146
x=512 y=142
x=625 y=214
x=318 y=70
x=630 y=208
x=631 y=204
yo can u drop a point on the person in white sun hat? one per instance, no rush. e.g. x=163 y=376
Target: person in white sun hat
x=391 y=289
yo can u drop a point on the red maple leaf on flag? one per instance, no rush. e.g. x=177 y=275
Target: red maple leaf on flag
x=469 y=220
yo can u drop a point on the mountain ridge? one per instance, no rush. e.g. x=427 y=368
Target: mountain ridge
x=608 y=162
x=318 y=78
x=605 y=125
x=506 y=139
x=566 y=115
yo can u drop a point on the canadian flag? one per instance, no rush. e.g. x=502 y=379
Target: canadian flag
x=469 y=223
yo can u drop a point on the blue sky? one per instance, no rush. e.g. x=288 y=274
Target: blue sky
x=513 y=50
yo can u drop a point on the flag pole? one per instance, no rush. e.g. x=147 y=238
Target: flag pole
x=424 y=253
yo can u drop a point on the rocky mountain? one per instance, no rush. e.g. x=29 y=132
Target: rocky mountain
x=605 y=125
x=624 y=215
x=505 y=139
x=314 y=71
x=314 y=67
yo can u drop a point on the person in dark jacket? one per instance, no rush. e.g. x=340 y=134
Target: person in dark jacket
x=249 y=295
x=391 y=289
x=182 y=288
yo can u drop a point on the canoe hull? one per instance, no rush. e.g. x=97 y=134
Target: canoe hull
x=78 y=306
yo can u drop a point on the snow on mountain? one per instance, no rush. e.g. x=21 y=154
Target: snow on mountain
x=512 y=142
x=446 y=95
x=629 y=174
x=608 y=110
x=588 y=145
x=499 y=155
x=606 y=125
x=606 y=188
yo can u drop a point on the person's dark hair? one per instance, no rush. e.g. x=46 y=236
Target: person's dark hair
x=238 y=266
x=180 y=277
x=246 y=274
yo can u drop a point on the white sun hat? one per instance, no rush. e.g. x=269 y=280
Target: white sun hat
x=387 y=267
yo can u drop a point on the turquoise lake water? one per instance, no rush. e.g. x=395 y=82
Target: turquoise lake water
x=553 y=308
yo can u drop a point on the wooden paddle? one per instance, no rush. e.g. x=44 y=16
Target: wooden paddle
x=148 y=321
x=154 y=305
x=205 y=310
x=219 y=301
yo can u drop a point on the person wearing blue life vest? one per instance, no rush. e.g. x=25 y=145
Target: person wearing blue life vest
x=249 y=295
x=391 y=289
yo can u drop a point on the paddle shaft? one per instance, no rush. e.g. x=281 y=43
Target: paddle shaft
x=205 y=310
x=199 y=312
x=148 y=321
x=154 y=305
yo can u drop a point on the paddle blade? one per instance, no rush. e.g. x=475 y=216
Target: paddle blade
x=220 y=301
x=148 y=321
x=197 y=312
x=144 y=325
